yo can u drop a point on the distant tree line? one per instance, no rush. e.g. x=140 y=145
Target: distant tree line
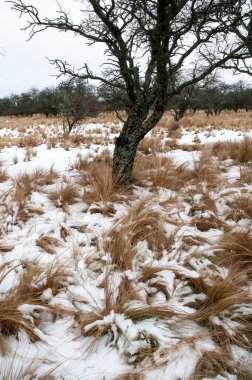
x=213 y=96
x=76 y=100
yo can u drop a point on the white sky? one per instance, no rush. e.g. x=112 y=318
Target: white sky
x=24 y=65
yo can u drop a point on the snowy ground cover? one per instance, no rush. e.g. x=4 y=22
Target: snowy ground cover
x=149 y=282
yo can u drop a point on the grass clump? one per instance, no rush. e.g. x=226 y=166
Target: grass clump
x=235 y=249
x=140 y=223
x=120 y=301
x=240 y=152
x=48 y=244
x=241 y=208
x=3 y=175
x=223 y=299
x=65 y=195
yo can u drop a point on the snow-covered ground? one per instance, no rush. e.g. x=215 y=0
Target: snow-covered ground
x=164 y=342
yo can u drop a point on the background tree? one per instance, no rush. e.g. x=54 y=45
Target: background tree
x=147 y=43
x=48 y=102
x=114 y=99
x=77 y=100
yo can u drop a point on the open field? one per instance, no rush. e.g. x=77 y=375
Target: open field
x=147 y=282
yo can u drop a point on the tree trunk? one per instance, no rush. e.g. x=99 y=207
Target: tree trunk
x=124 y=156
x=134 y=130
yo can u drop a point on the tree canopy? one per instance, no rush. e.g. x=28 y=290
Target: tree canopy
x=147 y=44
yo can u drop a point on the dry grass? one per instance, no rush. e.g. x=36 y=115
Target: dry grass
x=11 y=319
x=23 y=187
x=131 y=376
x=67 y=194
x=160 y=172
x=241 y=208
x=5 y=247
x=240 y=120
x=48 y=244
x=240 y=152
x=213 y=364
x=246 y=175
x=118 y=301
x=33 y=282
x=22 y=367
x=221 y=295
x=45 y=177
x=204 y=224
x=25 y=183
x=235 y=249
x=150 y=145
x=3 y=175
x=206 y=170
x=101 y=189
x=22 y=123
x=140 y=223
x=223 y=299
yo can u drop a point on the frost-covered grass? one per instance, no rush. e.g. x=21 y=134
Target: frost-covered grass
x=148 y=282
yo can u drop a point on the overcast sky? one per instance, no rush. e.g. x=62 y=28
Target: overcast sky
x=24 y=65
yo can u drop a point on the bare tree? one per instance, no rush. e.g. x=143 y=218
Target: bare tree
x=147 y=43
x=77 y=100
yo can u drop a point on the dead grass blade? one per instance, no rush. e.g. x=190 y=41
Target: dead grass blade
x=240 y=152
x=235 y=249
x=242 y=208
x=48 y=244
x=65 y=195
x=140 y=223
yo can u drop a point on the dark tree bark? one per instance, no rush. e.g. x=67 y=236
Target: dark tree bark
x=170 y=35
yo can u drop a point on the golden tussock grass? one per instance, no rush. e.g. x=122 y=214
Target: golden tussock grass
x=67 y=194
x=140 y=223
x=221 y=295
x=246 y=175
x=193 y=240
x=28 y=291
x=3 y=175
x=22 y=367
x=223 y=298
x=29 y=153
x=204 y=224
x=206 y=170
x=81 y=163
x=22 y=123
x=23 y=187
x=118 y=301
x=240 y=152
x=150 y=274
x=235 y=249
x=5 y=247
x=48 y=244
x=150 y=145
x=161 y=172
x=54 y=276
x=213 y=364
x=30 y=141
x=240 y=120
x=100 y=186
x=24 y=184
x=241 y=208
x=165 y=121
x=131 y=376
x=45 y=176
x=11 y=319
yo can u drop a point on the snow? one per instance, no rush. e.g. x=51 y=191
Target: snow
x=63 y=346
